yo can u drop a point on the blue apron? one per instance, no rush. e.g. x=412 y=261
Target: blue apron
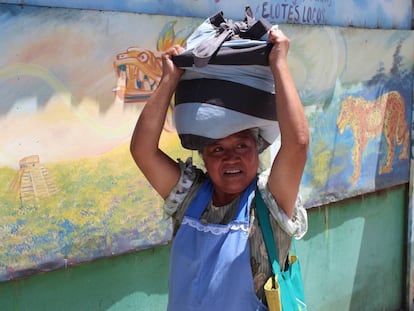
x=210 y=263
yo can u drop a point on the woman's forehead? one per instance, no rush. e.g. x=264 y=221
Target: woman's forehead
x=239 y=135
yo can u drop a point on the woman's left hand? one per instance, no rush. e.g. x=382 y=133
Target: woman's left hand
x=280 y=47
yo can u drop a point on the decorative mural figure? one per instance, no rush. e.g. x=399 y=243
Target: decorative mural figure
x=139 y=69
x=33 y=182
x=370 y=119
x=139 y=72
x=360 y=137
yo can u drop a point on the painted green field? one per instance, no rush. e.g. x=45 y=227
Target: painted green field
x=102 y=207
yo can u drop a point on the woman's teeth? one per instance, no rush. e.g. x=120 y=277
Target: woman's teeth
x=232 y=172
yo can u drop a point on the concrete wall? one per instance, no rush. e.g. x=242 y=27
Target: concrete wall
x=352 y=258
x=354 y=253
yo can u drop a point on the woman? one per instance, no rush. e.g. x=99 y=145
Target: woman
x=218 y=259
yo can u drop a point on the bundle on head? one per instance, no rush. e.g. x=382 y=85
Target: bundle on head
x=227 y=86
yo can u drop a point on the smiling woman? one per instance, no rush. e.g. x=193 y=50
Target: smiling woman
x=232 y=162
x=217 y=248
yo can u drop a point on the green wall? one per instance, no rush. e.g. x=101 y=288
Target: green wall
x=136 y=281
x=353 y=258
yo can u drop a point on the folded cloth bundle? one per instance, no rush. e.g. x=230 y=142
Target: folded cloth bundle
x=227 y=86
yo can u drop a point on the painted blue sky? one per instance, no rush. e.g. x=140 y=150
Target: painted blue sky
x=385 y=14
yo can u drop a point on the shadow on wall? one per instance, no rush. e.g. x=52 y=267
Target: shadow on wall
x=136 y=281
x=353 y=256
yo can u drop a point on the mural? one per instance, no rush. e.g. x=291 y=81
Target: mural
x=383 y=14
x=139 y=70
x=369 y=120
x=73 y=83
x=359 y=110
x=70 y=191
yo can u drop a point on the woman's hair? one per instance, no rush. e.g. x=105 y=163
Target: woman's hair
x=260 y=142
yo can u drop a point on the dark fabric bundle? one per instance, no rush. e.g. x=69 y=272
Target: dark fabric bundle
x=227 y=86
x=211 y=50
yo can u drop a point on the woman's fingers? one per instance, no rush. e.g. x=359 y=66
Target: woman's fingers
x=280 y=44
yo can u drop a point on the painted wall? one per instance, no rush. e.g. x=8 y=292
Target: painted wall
x=358 y=13
x=70 y=121
x=352 y=259
x=73 y=83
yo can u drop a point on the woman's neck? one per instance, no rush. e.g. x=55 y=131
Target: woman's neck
x=223 y=199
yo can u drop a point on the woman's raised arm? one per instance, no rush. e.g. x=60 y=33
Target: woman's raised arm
x=288 y=166
x=160 y=170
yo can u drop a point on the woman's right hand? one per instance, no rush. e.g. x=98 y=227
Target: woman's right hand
x=160 y=170
x=170 y=71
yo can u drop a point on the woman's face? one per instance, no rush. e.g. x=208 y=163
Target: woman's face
x=231 y=163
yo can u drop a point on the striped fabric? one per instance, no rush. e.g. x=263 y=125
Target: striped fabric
x=227 y=86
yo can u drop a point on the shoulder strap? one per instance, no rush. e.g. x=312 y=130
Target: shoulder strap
x=263 y=215
x=200 y=200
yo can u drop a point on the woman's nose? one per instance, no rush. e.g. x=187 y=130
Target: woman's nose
x=230 y=155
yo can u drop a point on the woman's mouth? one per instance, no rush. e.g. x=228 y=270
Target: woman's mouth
x=232 y=172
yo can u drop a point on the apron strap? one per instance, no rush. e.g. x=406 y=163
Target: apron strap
x=200 y=201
